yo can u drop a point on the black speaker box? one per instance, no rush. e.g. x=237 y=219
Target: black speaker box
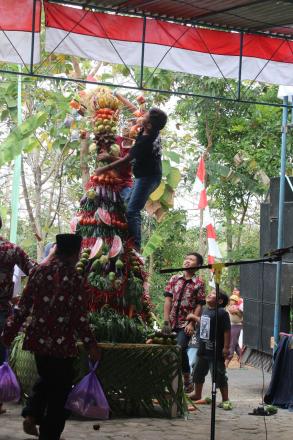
x=251 y=321
x=274 y=194
x=288 y=231
x=258 y=324
x=258 y=282
x=265 y=236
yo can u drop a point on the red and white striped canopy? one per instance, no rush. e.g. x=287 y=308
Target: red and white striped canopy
x=16 y=25
x=113 y=38
x=122 y=39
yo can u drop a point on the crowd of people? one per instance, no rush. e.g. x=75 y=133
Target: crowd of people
x=190 y=313
x=55 y=297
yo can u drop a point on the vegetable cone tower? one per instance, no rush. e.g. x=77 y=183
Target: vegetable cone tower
x=115 y=272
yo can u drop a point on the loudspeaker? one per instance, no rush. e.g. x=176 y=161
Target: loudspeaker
x=258 y=324
x=265 y=238
x=250 y=323
x=258 y=282
x=249 y=280
x=274 y=194
x=288 y=231
x=273 y=227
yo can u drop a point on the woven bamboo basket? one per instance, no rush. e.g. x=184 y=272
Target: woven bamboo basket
x=138 y=379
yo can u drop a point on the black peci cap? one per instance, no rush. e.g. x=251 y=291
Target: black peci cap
x=68 y=244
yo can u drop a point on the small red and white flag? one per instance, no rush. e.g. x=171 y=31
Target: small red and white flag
x=202 y=203
x=180 y=48
x=16 y=26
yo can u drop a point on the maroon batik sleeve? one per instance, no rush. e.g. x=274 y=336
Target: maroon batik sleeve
x=21 y=313
x=23 y=261
x=170 y=286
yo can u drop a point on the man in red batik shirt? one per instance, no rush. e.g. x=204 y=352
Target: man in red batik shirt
x=184 y=294
x=55 y=297
x=10 y=255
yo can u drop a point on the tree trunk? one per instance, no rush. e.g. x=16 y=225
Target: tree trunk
x=43 y=206
x=229 y=241
x=243 y=215
x=38 y=204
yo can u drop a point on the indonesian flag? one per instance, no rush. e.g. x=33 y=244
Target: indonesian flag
x=16 y=26
x=213 y=249
x=181 y=48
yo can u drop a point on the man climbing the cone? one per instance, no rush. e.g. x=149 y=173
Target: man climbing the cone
x=145 y=155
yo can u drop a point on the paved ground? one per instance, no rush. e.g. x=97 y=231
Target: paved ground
x=246 y=388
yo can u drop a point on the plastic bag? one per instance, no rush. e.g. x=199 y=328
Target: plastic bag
x=87 y=398
x=9 y=386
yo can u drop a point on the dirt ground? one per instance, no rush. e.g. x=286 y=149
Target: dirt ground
x=245 y=393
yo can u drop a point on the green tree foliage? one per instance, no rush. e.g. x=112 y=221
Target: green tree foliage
x=47 y=147
x=241 y=144
x=177 y=241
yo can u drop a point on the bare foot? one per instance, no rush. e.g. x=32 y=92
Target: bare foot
x=193 y=396
x=29 y=427
x=191 y=408
x=201 y=402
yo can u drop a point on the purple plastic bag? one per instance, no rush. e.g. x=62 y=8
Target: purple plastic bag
x=87 y=398
x=9 y=386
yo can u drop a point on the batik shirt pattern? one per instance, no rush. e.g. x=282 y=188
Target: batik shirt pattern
x=11 y=255
x=56 y=299
x=186 y=295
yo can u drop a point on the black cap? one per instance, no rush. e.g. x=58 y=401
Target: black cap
x=68 y=244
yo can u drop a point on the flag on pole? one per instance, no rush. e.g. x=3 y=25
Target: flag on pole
x=202 y=203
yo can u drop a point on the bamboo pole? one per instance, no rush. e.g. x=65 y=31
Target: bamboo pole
x=16 y=172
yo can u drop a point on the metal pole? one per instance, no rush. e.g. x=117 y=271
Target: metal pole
x=240 y=67
x=215 y=361
x=16 y=172
x=280 y=222
x=147 y=89
x=142 y=53
x=33 y=37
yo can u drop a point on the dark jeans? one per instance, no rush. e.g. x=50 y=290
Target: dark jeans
x=49 y=395
x=3 y=316
x=183 y=340
x=140 y=192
